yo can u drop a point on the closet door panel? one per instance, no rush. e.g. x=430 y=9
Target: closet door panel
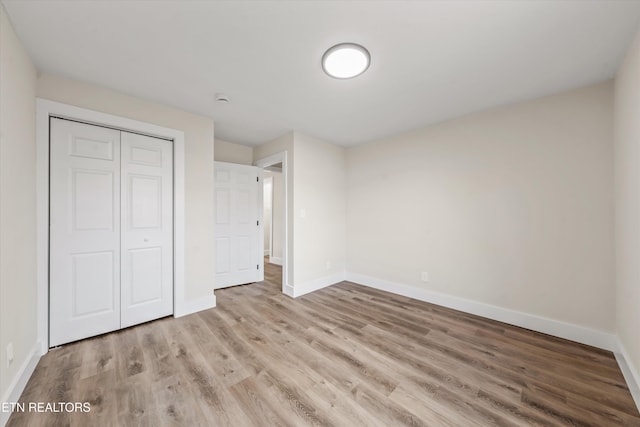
x=84 y=284
x=147 y=229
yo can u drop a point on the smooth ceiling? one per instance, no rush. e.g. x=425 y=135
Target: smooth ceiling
x=431 y=60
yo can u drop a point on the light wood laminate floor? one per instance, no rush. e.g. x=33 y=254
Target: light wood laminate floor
x=344 y=356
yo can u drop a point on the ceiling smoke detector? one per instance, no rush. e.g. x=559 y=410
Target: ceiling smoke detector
x=345 y=61
x=222 y=98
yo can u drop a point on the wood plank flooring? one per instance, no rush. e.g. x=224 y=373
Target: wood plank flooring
x=343 y=356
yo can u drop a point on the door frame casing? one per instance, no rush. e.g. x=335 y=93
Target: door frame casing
x=271 y=160
x=44 y=110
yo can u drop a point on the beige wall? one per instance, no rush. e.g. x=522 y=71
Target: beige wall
x=232 y=153
x=510 y=207
x=199 y=155
x=627 y=203
x=320 y=191
x=17 y=205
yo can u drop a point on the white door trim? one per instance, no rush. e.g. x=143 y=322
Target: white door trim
x=274 y=159
x=45 y=109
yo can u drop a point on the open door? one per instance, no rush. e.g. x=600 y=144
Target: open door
x=238 y=224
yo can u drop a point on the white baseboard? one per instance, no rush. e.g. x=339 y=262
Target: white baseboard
x=275 y=260
x=570 y=331
x=316 y=284
x=288 y=290
x=196 y=305
x=20 y=381
x=629 y=371
x=267 y=252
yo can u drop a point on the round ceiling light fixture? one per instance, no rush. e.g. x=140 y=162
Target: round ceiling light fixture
x=345 y=61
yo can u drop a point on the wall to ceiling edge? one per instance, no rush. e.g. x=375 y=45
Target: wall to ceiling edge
x=229 y=152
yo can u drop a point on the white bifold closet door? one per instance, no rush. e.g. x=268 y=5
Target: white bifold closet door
x=146 y=242
x=111 y=230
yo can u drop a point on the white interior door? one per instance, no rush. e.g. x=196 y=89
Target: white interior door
x=111 y=232
x=84 y=231
x=238 y=224
x=147 y=229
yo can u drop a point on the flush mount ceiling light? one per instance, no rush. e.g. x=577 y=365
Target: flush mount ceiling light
x=345 y=61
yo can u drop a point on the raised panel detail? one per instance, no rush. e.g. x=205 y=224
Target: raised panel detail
x=145 y=200
x=243 y=253
x=222 y=176
x=223 y=255
x=92 y=200
x=222 y=206
x=91 y=148
x=92 y=283
x=146 y=156
x=237 y=237
x=243 y=206
x=146 y=275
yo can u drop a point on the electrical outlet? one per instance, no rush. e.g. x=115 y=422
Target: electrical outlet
x=303 y=213
x=9 y=353
x=328 y=264
x=425 y=276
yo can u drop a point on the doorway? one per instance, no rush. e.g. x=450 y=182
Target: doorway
x=273 y=193
x=276 y=247
x=273 y=220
